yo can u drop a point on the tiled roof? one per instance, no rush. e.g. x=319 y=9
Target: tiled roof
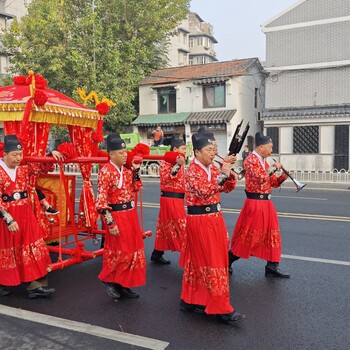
x=212 y=117
x=154 y=119
x=302 y=113
x=200 y=71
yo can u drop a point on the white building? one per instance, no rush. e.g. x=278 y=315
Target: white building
x=193 y=44
x=9 y=9
x=308 y=90
x=215 y=95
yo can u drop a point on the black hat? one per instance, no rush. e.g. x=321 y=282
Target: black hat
x=176 y=142
x=261 y=139
x=200 y=140
x=115 y=143
x=202 y=131
x=11 y=143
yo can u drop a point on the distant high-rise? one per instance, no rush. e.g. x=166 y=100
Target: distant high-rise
x=10 y=9
x=193 y=44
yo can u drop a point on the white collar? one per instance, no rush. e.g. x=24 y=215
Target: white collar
x=206 y=169
x=120 y=171
x=262 y=160
x=10 y=172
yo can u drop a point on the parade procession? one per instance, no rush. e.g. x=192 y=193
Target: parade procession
x=40 y=219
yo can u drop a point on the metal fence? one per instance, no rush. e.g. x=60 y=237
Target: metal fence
x=335 y=175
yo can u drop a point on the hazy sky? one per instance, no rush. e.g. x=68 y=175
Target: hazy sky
x=236 y=24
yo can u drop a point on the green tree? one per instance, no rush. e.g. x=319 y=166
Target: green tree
x=107 y=46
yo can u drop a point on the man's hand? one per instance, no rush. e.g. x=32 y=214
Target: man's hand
x=232 y=159
x=278 y=165
x=180 y=160
x=58 y=156
x=136 y=166
x=13 y=227
x=114 y=231
x=226 y=168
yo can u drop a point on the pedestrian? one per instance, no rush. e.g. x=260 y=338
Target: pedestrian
x=123 y=264
x=171 y=225
x=157 y=136
x=257 y=231
x=24 y=255
x=245 y=152
x=205 y=285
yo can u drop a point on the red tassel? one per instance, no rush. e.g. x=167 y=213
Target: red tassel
x=171 y=157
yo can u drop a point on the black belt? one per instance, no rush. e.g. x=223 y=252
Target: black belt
x=15 y=196
x=260 y=196
x=204 y=209
x=122 y=206
x=172 y=194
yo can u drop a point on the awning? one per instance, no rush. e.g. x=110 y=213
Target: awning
x=304 y=113
x=163 y=119
x=212 y=117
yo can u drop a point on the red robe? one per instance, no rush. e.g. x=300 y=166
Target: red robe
x=205 y=279
x=171 y=225
x=257 y=231
x=24 y=256
x=123 y=256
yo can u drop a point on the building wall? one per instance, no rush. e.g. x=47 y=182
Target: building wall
x=17 y=8
x=307 y=45
x=308 y=88
x=312 y=10
x=179 y=44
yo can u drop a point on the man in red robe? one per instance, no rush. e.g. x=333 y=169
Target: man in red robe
x=171 y=225
x=257 y=231
x=205 y=285
x=124 y=263
x=24 y=256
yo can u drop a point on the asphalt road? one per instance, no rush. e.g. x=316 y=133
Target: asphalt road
x=311 y=310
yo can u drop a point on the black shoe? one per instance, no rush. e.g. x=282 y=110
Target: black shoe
x=160 y=260
x=51 y=211
x=275 y=273
x=231 y=317
x=111 y=290
x=41 y=292
x=198 y=309
x=126 y=292
x=4 y=292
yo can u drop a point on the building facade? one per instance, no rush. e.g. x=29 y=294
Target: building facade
x=308 y=89
x=193 y=44
x=216 y=95
x=9 y=9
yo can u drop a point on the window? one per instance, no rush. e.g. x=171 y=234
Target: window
x=184 y=38
x=305 y=139
x=273 y=132
x=167 y=100
x=256 y=95
x=199 y=41
x=214 y=96
x=190 y=61
x=190 y=43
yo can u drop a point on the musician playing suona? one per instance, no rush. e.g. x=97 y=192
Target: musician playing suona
x=205 y=287
x=171 y=225
x=124 y=264
x=257 y=231
x=24 y=256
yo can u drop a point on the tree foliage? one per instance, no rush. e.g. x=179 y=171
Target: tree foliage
x=107 y=46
